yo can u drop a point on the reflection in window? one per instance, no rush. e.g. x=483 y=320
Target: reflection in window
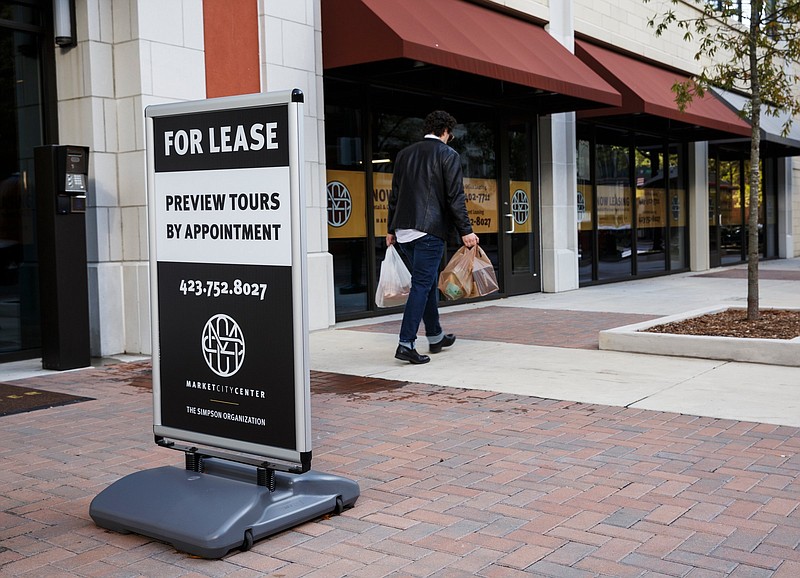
x=651 y=201
x=677 y=212
x=392 y=133
x=475 y=142
x=631 y=205
x=346 y=207
x=21 y=128
x=585 y=215
x=731 y=209
x=729 y=205
x=519 y=199
x=614 y=211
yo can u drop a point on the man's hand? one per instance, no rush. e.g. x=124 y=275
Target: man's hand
x=470 y=240
x=389 y=239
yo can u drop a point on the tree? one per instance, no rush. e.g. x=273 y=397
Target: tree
x=754 y=50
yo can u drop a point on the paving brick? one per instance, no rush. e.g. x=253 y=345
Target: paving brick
x=546 y=568
x=743 y=571
x=570 y=554
x=748 y=558
x=782 y=552
x=625 y=517
x=701 y=561
x=500 y=571
x=652 y=564
x=524 y=556
x=788 y=569
x=463 y=483
x=603 y=567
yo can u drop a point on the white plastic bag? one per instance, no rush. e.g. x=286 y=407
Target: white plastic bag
x=394 y=283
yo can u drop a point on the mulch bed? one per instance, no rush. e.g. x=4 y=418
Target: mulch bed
x=771 y=324
x=15 y=399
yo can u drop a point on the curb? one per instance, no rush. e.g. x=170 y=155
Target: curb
x=633 y=339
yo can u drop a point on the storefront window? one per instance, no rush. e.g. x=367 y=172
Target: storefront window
x=347 y=208
x=652 y=175
x=520 y=205
x=361 y=146
x=731 y=212
x=614 y=211
x=585 y=204
x=392 y=133
x=713 y=214
x=475 y=143
x=729 y=208
x=22 y=129
x=632 y=205
x=677 y=212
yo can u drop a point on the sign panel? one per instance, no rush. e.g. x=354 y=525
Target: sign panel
x=227 y=262
x=521 y=209
x=347 y=205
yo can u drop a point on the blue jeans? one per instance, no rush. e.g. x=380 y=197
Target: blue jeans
x=423 y=256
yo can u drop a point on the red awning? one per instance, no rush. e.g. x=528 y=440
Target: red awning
x=646 y=88
x=456 y=35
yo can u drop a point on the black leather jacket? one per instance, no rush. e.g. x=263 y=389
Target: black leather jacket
x=428 y=190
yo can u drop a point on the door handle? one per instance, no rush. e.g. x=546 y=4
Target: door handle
x=511 y=216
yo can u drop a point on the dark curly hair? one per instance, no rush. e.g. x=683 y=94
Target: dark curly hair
x=437 y=121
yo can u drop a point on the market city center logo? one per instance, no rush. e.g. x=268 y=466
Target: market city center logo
x=340 y=204
x=223 y=345
x=520 y=207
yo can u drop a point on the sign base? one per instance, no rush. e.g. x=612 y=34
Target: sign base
x=212 y=512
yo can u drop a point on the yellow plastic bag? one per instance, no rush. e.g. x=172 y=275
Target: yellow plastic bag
x=455 y=280
x=394 y=283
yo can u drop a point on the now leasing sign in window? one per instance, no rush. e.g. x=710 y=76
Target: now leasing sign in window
x=347 y=204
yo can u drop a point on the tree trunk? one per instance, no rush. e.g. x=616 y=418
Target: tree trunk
x=755 y=153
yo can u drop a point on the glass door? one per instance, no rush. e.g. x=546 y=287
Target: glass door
x=715 y=259
x=520 y=215
x=614 y=200
x=652 y=177
x=21 y=127
x=730 y=212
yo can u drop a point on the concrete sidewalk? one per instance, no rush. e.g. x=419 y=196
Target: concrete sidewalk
x=502 y=357
x=497 y=459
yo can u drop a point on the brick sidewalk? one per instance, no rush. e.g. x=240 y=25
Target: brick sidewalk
x=453 y=483
x=545 y=327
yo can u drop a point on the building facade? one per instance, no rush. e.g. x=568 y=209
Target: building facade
x=578 y=167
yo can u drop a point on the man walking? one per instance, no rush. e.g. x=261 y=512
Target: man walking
x=426 y=203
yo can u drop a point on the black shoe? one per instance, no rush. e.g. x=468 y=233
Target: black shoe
x=446 y=341
x=411 y=355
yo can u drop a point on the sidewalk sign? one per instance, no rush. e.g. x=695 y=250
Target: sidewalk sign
x=231 y=382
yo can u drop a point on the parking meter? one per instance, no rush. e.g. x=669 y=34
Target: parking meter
x=61 y=181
